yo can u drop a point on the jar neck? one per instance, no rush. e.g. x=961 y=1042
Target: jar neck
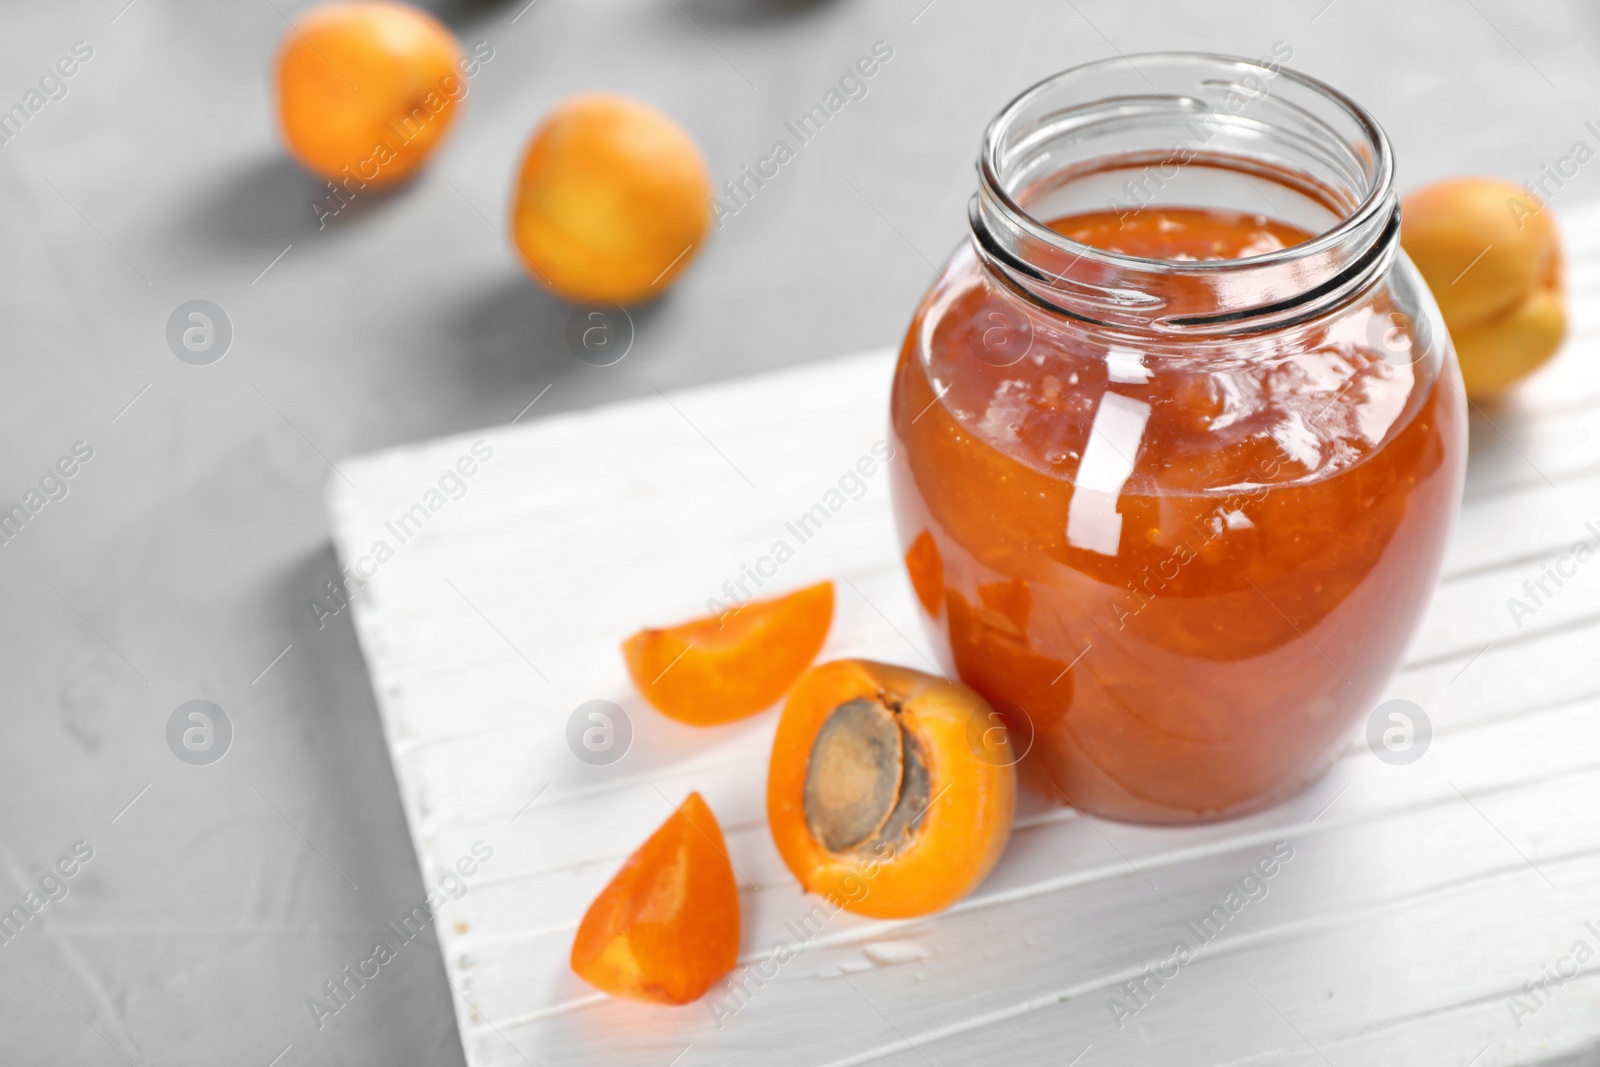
x=1144 y=132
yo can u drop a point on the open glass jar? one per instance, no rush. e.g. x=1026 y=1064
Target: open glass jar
x=1179 y=434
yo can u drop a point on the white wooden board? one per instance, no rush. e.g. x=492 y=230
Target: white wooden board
x=1418 y=903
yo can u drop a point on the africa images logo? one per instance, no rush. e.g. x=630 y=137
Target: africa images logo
x=52 y=887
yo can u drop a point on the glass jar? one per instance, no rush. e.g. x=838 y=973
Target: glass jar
x=1179 y=434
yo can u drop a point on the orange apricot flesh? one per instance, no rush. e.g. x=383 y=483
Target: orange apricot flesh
x=890 y=792
x=667 y=926
x=723 y=668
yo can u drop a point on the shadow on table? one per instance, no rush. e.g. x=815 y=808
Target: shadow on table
x=1584 y=1057
x=753 y=12
x=268 y=203
x=330 y=768
x=460 y=13
x=515 y=338
x=1496 y=432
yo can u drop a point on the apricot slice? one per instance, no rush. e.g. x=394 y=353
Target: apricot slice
x=722 y=668
x=667 y=925
x=884 y=792
x=612 y=201
x=367 y=90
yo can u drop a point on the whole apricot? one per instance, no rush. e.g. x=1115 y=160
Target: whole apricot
x=1492 y=256
x=367 y=90
x=612 y=201
x=1505 y=349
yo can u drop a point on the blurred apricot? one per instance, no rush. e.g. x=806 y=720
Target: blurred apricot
x=1492 y=256
x=367 y=90
x=612 y=201
x=1507 y=348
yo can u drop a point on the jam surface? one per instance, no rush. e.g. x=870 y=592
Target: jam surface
x=1179 y=569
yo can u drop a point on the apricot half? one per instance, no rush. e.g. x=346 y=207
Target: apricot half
x=367 y=90
x=612 y=201
x=667 y=925
x=890 y=791
x=725 y=667
x=1492 y=256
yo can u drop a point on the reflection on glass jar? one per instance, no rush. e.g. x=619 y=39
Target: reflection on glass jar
x=1179 y=434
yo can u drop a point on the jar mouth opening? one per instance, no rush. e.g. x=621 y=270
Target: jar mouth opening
x=1358 y=210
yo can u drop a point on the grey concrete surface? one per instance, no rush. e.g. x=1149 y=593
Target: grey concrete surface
x=180 y=562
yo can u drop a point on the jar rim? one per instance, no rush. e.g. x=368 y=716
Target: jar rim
x=1374 y=203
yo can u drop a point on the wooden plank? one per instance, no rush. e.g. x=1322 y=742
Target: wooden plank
x=1418 y=901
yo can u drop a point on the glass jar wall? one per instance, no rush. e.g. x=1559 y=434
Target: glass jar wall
x=1179 y=434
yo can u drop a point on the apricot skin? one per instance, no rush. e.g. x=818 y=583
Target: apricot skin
x=367 y=90
x=1500 y=352
x=612 y=201
x=1492 y=256
x=963 y=829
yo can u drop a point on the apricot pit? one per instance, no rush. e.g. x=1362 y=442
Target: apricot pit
x=866 y=781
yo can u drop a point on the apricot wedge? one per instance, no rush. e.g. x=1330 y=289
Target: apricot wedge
x=667 y=926
x=723 y=668
x=890 y=792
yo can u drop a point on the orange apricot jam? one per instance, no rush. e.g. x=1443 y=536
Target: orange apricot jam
x=1179 y=570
